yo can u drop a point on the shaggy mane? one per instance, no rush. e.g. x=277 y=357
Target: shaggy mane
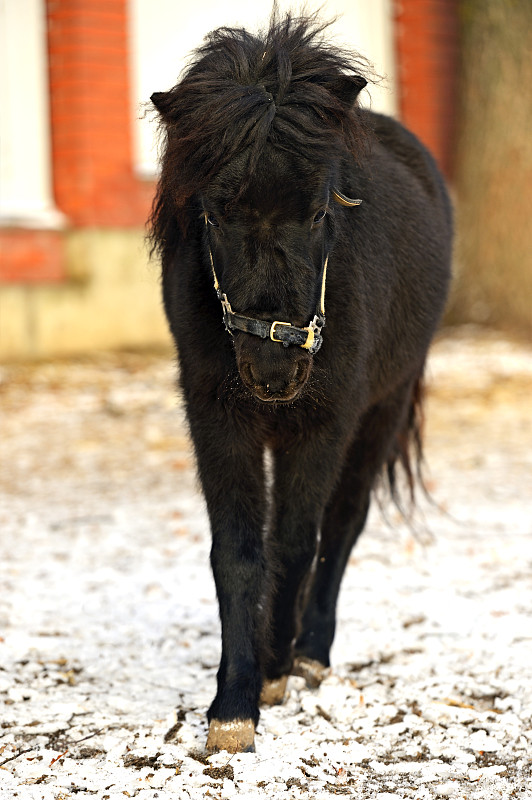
x=286 y=86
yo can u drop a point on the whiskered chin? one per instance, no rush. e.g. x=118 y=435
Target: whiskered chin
x=277 y=387
x=265 y=396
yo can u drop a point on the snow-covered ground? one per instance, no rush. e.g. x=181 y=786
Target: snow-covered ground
x=109 y=634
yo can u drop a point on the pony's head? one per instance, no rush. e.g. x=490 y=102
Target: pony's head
x=256 y=132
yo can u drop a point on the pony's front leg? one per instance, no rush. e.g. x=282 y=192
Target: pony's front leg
x=233 y=483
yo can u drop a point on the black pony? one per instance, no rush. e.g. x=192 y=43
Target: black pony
x=282 y=204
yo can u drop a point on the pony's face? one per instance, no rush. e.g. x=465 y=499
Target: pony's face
x=255 y=129
x=269 y=238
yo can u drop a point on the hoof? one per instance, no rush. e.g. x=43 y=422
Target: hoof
x=311 y=670
x=273 y=691
x=237 y=736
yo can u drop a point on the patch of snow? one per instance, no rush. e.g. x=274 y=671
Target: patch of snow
x=109 y=639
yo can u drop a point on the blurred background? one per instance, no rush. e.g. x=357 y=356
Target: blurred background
x=78 y=151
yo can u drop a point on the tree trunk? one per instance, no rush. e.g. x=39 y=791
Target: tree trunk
x=493 y=283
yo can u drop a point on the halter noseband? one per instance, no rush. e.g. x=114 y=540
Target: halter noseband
x=309 y=338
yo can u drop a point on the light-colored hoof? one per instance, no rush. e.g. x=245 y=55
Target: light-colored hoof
x=311 y=670
x=273 y=691
x=237 y=736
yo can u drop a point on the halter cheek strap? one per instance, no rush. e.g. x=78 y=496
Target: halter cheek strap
x=309 y=338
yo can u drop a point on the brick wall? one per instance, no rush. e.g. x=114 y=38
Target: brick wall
x=91 y=118
x=94 y=183
x=426 y=33
x=92 y=147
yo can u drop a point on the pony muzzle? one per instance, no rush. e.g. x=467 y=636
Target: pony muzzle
x=272 y=379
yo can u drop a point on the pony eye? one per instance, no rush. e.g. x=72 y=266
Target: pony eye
x=211 y=219
x=319 y=216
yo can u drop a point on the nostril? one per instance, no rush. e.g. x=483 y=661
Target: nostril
x=300 y=372
x=247 y=374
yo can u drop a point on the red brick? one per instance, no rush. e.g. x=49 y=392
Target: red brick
x=28 y=256
x=93 y=169
x=426 y=34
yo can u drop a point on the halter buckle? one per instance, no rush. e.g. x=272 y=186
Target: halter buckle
x=307 y=344
x=272 y=330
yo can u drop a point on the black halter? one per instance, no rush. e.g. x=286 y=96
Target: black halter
x=309 y=338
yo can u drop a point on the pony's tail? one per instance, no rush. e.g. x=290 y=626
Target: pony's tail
x=407 y=448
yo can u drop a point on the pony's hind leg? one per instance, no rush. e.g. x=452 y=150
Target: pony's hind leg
x=273 y=690
x=344 y=520
x=297 y=507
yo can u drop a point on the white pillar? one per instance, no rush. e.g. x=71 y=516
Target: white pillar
x=25 y=154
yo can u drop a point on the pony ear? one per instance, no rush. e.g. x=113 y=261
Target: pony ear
x=347 y=88
x=163 y=103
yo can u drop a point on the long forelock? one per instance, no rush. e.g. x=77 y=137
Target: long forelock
x=243 y=90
